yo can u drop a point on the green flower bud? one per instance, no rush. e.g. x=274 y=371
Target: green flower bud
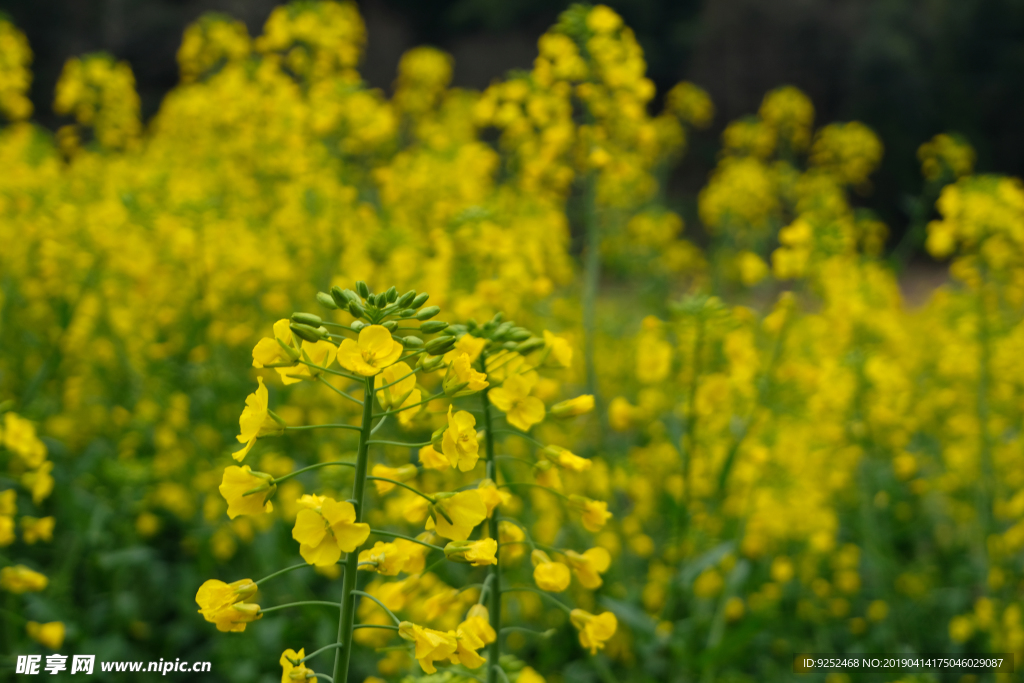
x=530 y=345
x=440 y=345
x=406 y=312
x=432 y=326
x=519 y=334
x=411 y=342
x=362 y=289
x=430 y=363
x=428 y=312
x=340 y=297
x=357 y=325
x=326 y=300
x=420 y=299
x=306 y=332
x=356 y=310
x=391 y=294
x=503 y=329
x=407 y=298
x=390 y=325
x=307 y=319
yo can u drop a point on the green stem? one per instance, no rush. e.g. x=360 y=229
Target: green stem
x=407 y=538
x=536 y=486
x=379 y=442
x=404 y=486
x=342 y=393
x=528 y=631
x=348 y=598
x=314 y=467
x=282 y=571
x=384 y=626
x=391 y=384
x=494 y=571
x=552 y=599
x=414 y=405
x=523 y=435
x=381 y=604
x=301 y=603
x=332 y=426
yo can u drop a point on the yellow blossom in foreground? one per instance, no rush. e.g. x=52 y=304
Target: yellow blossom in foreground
x=280 y=348
x=492 y=496
x=386 y=558
x=21 y=579
x=594 y=512
x=432 y=460
x=465 y=510
x=565 y=458
x=34 y=529
x=374 y=351
x=595 y=630
x=394 y=384
x=572 y=407
x=224 y=604
x=548 y=575
x=589 y=566
x=431 y=646
x=51 y=634
x=320 y=353
x=477 y=553
x=294 y=672
x=255 y=420
x=513 y=398
x=478 y=622
x=324 y=533
x=557 y=351
x=459 y=441
x=239 y=481
x=461 y=379
x=402 y=474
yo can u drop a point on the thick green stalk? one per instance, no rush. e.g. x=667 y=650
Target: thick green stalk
x=494 y=572
x=348 y=599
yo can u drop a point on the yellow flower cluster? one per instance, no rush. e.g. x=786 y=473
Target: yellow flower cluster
x=375 y=345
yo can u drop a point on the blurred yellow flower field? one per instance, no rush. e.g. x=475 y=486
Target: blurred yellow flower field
x=611 y=436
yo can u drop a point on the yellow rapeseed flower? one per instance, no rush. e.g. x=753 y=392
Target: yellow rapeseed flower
x=255 y=420
x=294 y=672
x=589 y=566
x=513 y=398
x=431 y=646
x=465 y=510
x=595 y=630
x=548 y=575
x=325 y=532
x=461 y=379
x=224 y=604
x=374 y=351
x=459 y=442
x=246 y=492
x=50 y=634
x=21 y=579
